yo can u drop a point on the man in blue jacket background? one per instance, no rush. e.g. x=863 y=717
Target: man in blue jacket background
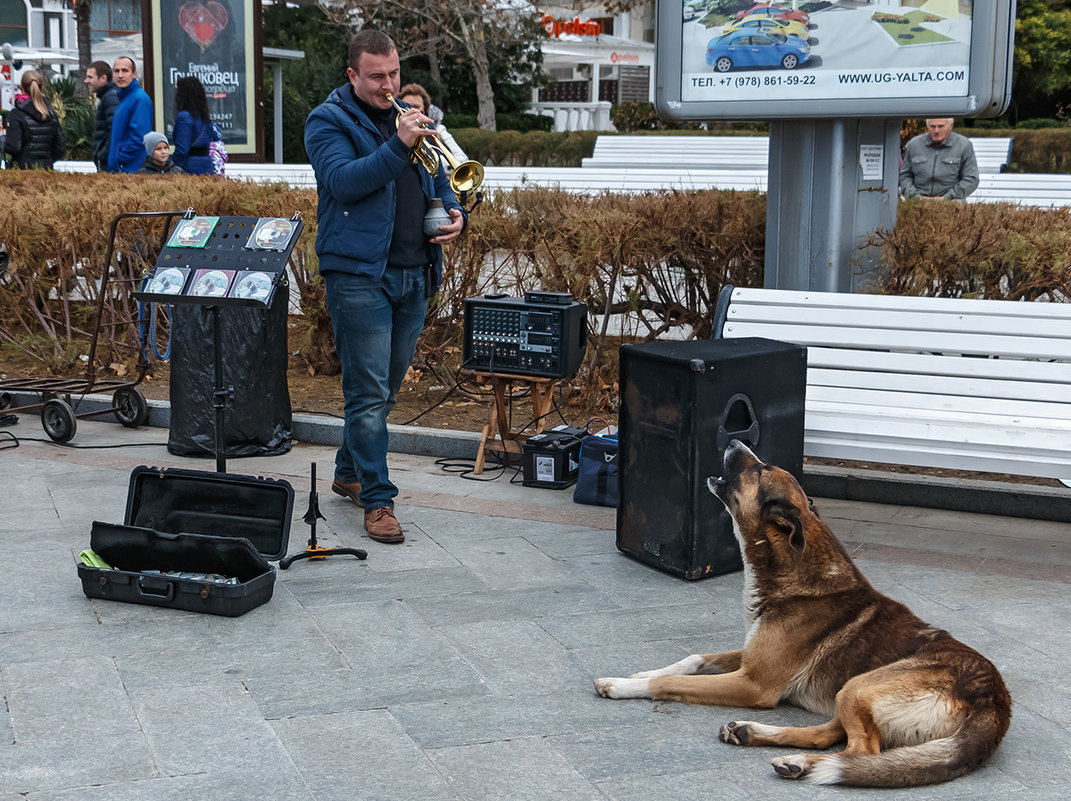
x=378 y=266
x=131 y=121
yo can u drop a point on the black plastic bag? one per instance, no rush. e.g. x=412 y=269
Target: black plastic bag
x=258 y=420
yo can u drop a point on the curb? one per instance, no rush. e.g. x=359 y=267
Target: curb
x=870 y=486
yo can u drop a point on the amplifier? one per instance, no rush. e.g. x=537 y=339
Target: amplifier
x=513 y=335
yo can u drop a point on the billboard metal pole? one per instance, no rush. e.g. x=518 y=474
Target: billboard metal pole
x=831 y=183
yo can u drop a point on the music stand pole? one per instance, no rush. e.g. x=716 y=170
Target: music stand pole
x=220 y=395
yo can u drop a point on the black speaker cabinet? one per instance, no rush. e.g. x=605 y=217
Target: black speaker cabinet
x=681 y=405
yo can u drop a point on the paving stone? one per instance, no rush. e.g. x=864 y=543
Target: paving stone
x=638 y=625
x=448 y=679
x=66 y=699
x=466 y=721
x=206 y=728
x=510 y=604
x=520 y=770
x=516 y=657
x=325 y=585
x=268 y=781
x=111 y=754
x=360 y=754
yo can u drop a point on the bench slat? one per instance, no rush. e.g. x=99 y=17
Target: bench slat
x=938 y=324
x=747 y=297
x=1012 y=411
x=1029 y=372
x=889 y=339
x=975 y=387
x=933 y=454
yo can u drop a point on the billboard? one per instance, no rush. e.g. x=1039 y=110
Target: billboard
x=841 y=58
x=215 y=42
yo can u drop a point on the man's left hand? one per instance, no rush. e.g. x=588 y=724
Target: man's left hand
x=453 y=230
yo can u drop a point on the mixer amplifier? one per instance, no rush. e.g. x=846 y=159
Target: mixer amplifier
x=514 y=335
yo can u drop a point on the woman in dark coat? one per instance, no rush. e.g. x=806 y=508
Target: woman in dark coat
x=193 y=129
x=34 y=136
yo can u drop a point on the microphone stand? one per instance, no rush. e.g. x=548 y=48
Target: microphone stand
x=314 y=551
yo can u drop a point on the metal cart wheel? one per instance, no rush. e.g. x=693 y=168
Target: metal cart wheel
x=58 y=420
x=130 y=406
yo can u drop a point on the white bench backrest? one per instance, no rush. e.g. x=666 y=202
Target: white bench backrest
x=940 y=382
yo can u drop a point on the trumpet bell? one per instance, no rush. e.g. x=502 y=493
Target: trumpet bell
x=466 y=177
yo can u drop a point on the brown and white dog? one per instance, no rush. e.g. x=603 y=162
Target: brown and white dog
x=915 y=705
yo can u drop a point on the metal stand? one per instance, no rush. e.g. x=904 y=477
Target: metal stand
x=221 y=395
x=831 y=184
x=314 y=551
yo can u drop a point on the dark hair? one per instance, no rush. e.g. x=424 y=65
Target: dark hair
x=369 y=41
x=190 y=96
x=102 y=68
x=419 y=91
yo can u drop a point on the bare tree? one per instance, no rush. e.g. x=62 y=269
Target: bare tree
x=469 y=29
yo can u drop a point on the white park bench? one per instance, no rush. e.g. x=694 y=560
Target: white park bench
x=965 y=384
x=735 y=152
x=1025 y=189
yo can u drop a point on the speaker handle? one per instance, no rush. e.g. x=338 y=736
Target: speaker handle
x=748 y=435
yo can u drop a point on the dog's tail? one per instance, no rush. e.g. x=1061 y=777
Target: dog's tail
x=935 y=761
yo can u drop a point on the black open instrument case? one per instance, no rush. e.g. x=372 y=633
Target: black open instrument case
x=192 y=521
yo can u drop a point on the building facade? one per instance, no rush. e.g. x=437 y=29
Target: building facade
x=596 y=61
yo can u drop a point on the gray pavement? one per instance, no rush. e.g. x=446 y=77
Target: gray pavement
x=459 y=664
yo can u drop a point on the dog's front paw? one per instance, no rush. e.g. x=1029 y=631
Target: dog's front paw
x=735 y=733
x=621 y=688
x=791 y=767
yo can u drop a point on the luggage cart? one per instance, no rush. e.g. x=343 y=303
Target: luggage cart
x=59 y=398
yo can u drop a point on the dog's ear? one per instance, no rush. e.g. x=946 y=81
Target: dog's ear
x=786 y=518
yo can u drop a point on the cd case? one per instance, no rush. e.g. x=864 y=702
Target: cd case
x=271 y=233
x=252 y=285
x=211 y=283
x=168 y=281
x=192 y=233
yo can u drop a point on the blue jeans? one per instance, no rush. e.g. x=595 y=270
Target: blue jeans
x=377 y=325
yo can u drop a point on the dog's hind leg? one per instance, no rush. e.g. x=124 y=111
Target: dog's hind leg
x=746 y=732
x=697 y=664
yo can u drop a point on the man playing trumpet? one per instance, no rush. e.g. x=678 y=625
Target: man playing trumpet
x=378 y=266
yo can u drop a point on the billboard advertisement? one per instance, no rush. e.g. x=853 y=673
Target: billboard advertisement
x=787 y=58
x=214 y=42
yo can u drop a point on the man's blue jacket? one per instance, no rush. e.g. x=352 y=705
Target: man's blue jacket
x=355 y=175
x=132 y=120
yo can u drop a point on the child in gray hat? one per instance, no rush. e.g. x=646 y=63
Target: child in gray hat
x=158 y=156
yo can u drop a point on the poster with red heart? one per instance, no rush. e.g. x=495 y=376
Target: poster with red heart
x=213 y=41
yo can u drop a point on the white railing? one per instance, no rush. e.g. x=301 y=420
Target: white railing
x=576 y=116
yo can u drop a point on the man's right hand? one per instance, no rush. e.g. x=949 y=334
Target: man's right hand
x=411 y=126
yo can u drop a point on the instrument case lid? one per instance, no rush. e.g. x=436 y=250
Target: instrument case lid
x=176 y=500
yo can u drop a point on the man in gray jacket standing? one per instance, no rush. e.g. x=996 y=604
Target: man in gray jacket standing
x=939 y=164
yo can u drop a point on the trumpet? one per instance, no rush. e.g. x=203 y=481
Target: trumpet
x=466 y=176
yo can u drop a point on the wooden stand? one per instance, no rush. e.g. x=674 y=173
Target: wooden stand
x=496 y=434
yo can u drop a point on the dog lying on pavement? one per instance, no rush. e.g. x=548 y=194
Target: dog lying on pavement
x=914 y=705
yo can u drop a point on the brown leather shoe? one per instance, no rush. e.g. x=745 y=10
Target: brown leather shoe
x=382 y=525
x=351 y=490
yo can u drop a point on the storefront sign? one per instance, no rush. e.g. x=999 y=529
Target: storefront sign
x=624 y=58
x=556 y=27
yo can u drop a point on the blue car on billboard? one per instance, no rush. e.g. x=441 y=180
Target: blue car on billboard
x=745 y=48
